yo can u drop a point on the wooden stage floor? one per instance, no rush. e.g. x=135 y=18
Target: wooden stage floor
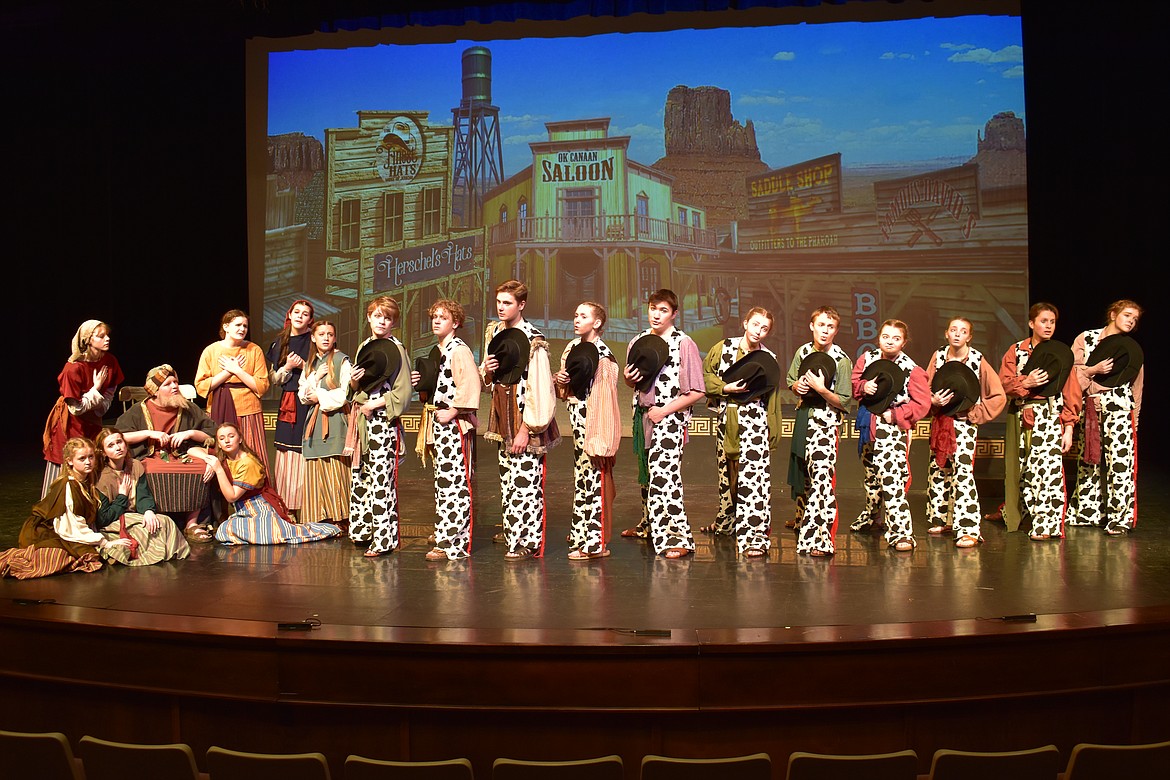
x=864 y=584
x=869 y=651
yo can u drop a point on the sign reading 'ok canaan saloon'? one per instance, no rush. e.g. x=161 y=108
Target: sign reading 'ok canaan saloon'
x=585 y=165
x=414 y=264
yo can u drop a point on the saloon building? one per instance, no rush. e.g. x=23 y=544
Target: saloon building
x=585 y=222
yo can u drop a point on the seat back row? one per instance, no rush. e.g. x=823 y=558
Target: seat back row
x=48 y=756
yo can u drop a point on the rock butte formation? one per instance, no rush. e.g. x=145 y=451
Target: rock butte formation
x=1002 y=154
x=294 y=158
x=709 y=153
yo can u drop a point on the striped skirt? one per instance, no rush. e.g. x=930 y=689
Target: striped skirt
x=256 y=522
x=327 y=487
x=288 y=477
x=252 y=431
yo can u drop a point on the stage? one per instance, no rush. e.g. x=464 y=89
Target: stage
x=870 y=650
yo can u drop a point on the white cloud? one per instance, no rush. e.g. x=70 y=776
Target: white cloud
x=784 y=56
x=956 y=46
x=639 y=131
x=890 y=55
x=761 y=100
x=1015 y=72
x=988 y=57
x=524 y=140
x=523 y=119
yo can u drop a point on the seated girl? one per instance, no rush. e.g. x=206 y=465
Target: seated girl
x=259 y=516
x=61 y=534
x=127 y=508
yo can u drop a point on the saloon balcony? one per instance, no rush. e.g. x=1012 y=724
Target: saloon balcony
x=619 y=229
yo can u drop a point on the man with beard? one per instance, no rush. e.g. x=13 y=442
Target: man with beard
x=171 y=437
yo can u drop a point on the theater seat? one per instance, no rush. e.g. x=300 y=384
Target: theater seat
x=44 y=756
x=106 y=760
x=1037 y=764
x=902 y=765
x=757 y=766
x=360 y=768
x=604 y=768
x=1113 y=762
x=223 y=764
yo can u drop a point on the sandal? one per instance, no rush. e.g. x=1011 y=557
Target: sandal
x=966 y=540
x=754 y=552
x=520 y=554
x=713 y=528
x=436 y=555
x=997 y=515
x=819 y=553
x=1116 y=531
x=1040 y=537
x=903 y=545
x=674 y=553
x=938 y=530
x=198 y=534
x=372 y=553
x=581 y=555
x=634 y=533
x=499 y=538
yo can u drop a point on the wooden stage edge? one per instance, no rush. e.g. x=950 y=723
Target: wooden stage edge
x=788 y=668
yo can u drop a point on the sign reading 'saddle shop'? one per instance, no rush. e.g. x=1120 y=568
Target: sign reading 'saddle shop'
x=414 y=264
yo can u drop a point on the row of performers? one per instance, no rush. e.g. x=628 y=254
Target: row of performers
x=339 y=440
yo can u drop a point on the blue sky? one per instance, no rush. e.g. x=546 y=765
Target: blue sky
x=878 y=92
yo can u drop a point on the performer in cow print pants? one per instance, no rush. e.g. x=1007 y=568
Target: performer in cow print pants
x=952 y=497
x=823 y=404
x=446 y=431
x=1107 y=469
x=373 y=505
x=662 y=413
x=1040 y=430
x=597 y=433
x=746 y=434
x=523 y=425
x=886 y=458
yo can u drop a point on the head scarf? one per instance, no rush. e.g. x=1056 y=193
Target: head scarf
x=80 y=343
x=156 y=377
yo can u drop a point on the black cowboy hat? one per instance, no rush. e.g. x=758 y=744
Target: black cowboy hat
x=890 y=381
x=1056 y=358
x=427 y=367
x=381 y=360
x=581 y=365
x=759 y=370
x=510 y=348
x=961 y=380
x=648 y=354
x=1127 y=358
x=818 y=363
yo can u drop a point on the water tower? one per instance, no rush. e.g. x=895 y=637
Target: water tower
x=479 y=153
